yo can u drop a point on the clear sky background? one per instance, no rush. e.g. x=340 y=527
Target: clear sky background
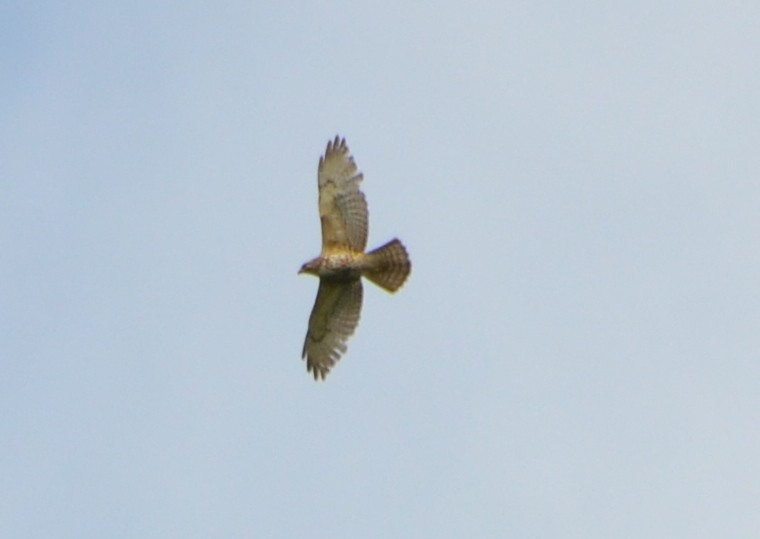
x=576 y=353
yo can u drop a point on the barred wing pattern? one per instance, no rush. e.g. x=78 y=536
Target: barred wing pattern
x=342 y=206
x=333 y=320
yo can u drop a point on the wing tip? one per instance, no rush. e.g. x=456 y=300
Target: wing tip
x=319 y=372
x=336 y=144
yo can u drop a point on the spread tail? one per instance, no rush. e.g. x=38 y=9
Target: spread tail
x=388 y=266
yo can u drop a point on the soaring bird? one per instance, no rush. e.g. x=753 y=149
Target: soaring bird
x=343 y=262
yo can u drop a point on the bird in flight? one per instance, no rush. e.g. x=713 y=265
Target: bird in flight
x=343 y=262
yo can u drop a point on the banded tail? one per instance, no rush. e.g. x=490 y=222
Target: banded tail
x=387 y=266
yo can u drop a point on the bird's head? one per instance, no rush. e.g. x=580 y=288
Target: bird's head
x=312 y=267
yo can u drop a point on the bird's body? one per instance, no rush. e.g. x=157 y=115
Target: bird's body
x=342 y=262
x=337 y=266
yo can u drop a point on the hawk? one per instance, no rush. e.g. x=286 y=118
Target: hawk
x=343 y=262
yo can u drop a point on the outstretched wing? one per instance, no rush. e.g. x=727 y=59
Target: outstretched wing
x=333 y=320
x=342 y=206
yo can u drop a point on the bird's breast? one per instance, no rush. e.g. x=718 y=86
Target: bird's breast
x=340 y=266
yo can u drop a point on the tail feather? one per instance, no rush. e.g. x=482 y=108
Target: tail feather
x=388 y=266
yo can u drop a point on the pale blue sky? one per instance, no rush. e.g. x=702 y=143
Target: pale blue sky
x=576 y=353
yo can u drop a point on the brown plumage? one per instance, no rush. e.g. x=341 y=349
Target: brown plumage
x=342 y=262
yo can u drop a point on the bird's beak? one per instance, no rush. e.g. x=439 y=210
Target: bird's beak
x=300 y=271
